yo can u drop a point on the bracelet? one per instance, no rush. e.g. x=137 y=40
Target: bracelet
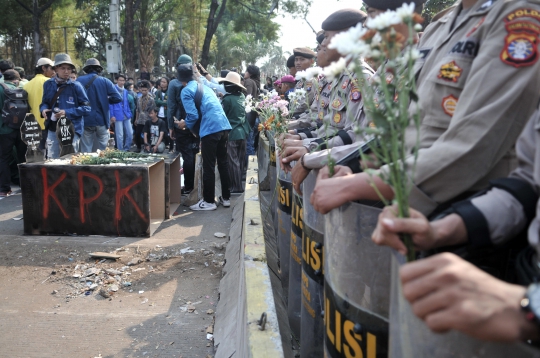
x=302 y=163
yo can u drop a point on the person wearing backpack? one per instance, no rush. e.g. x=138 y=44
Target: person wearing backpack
x=206 y=119
x=14 y=106
x=101 y=93
x=69 y=97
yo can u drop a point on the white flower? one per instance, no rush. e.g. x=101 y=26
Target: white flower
x=248 y=109
x=383 y=21
x=301 y=75
x=418 y=27
x=300 y=93
x=405 y=12
x=313 y=72
x=335 y=69
x=348 y=42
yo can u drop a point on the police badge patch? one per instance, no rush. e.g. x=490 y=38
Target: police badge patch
x=355 y=95
x=336 y=103
x=337 y=117
x=449 y=105
x=450 y=72
x=521 y=42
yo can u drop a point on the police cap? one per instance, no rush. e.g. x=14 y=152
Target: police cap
x=393 y=4
x=304 y=52
x=343 y=19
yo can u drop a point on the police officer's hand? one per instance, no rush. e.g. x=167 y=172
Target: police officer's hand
x=326 y=194
x=291 y=143
x=292 y=135
x=339 y=171
x=289 y=155
x=299 y=174
x=449 y=293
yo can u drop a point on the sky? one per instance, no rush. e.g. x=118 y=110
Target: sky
x=297 y=33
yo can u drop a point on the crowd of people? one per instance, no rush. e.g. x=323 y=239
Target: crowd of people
x=143 y=116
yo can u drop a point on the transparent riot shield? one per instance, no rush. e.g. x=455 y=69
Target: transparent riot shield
x=267 y=202
x=295 y=266
x=312 y=275
x=357 y=284
x=410 y=337
x=284 y=205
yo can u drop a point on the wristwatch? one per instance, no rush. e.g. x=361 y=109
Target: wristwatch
x=531 y=303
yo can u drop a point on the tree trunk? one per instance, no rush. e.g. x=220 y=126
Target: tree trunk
x=212 y=25
x=38 y=51
x=130 y=39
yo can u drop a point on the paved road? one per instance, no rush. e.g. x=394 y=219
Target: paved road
x=48 y=315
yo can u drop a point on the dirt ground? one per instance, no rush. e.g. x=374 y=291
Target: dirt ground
x=156 y=300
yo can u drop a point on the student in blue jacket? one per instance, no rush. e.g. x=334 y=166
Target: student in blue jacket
x=101 y=93
x=121 y=115
x=72 y=103
x=214 y=134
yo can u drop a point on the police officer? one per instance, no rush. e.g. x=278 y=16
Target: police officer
x=340 y=102
x=509 y=312
x=304 y=58
x=469 y=118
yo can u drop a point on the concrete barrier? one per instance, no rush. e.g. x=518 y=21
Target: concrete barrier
x=246 y=316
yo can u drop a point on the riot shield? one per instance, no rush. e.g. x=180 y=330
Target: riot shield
x=312 y=275
x=410 y=337
x=295 y=266
x=284 y=206
x=357 y=284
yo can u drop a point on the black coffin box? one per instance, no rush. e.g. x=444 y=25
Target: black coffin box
x=107 y=200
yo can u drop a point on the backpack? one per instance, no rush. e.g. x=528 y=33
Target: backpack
x=198 y=99
x=15 y=107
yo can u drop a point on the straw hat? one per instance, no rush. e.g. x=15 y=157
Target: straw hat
x=234 y=78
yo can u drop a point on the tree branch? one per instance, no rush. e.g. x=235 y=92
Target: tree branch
x=25 y=7
x=220 y=14
x=47 y=5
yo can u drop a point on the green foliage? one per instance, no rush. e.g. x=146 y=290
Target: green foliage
x=433 y=7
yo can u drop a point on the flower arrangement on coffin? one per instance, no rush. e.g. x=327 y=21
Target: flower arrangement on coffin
x=390 y=98
x=111 y=156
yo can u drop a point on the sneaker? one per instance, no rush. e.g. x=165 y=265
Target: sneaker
x=203 y=205
x=186 y=191
x=4 y=194
x=225 y=203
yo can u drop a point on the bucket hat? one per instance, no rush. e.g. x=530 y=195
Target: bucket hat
x=234 y=78
x=62 y=58
x=92 y=62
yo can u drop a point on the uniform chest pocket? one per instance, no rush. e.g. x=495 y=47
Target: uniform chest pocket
x=339 y=102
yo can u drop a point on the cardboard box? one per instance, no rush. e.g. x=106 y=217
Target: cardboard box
x=173 y=189
x=93 y=199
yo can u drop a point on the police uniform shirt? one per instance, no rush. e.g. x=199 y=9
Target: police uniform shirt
x=308 y=119
x=308 y=100
x=478 y=83
x=345 y=110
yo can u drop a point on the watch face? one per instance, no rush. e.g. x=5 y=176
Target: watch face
x=533 y=294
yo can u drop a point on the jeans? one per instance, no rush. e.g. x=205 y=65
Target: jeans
x=184 y=144
x=7 y=142
x=161 y=148
x=87 y=139
x=53 y=145
x=214 y=146
x=123 y=132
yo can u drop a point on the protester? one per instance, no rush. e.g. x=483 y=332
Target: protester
x=4 y=66
x=10 y=137
x=121 y=115
x=22 y=75
x=186 y=143
x=155 y=131
x=234 y=108
x=73 y=75
x=69 y=97
x=44 y=70
x=269 y=84
x=101 y=93
x=161 y=103
x=214 y=133
x=145 y=104
x=211 y=82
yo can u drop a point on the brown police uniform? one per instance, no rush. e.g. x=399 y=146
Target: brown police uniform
x=301 y=84
x=345 y=111
x=478 y=83
x=308 y=119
